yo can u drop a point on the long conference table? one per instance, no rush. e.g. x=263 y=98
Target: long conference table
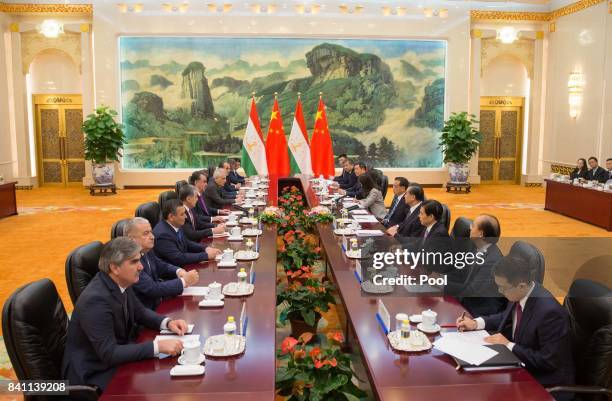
x=423 y=376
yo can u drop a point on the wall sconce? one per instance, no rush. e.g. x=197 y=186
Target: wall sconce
x=132 y=8
x=507 y=35
x=345 y=9
x=50 y=28
x=305 y=9
x=575 y=88
x=432 y=12
x=387 y=10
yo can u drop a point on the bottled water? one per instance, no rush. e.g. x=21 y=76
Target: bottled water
x=229 y=333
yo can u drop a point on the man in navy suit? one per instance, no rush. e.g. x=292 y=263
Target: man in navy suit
x=397 y=211
x=534 y=326
x=172 y=245
x=596 y=173
x=207 y=213
x=158 y=279
x=411 y=225
x=349 y=179
x=233 y=176
x=213 y=194
x=106 y=318
x=340 y=179
x=430 y=214
x=196 y=226
x=228 y=190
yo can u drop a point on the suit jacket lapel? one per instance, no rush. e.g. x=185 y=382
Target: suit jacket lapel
x=507 y=314
x=113 y=288
x=527 y=312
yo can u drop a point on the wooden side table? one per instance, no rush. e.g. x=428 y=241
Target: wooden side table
x=102 y=189
x=458 y=186
x=8 y=200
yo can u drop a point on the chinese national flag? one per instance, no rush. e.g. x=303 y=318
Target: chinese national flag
x=321 y=152
x=276 y=145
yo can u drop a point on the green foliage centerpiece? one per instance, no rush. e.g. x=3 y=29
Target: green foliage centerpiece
x=459 y=141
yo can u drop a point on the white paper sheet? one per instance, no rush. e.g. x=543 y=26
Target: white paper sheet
x=470 y=353
x=346 y=205
x=368 y=218
x=195 y=292
x=187 y=337
x=359 y=212
x=189 y=330
x=472 y=337
x=369 y=233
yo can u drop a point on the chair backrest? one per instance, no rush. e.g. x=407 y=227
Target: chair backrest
x=461 y=228
x=179 y=184
x=384 y=185
x=589 y=305
x=446 y=217
x=533 y=256
x=150 y=211
x=117 y=228
x=34 y=326
x=164 y=197
x=81 y=267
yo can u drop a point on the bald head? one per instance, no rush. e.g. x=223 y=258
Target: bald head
x=487 y=227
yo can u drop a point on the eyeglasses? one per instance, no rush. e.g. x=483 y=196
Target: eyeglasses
x=504 y=289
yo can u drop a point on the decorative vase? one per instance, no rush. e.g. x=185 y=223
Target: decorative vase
x=299 y=327
x=103 y=173
x=459 y=172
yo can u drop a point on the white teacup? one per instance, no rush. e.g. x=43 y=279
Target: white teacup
x=228 y=254
x=231 y=218
x=191 y=352
x=429 y=318
x=214 y=290
x=234 y=232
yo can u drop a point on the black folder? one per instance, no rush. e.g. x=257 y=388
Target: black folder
x=505 y=359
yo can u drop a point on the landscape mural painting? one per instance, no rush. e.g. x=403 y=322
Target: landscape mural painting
x=185 y=100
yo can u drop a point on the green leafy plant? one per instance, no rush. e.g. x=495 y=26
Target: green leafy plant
x=459 y=139
x=304 y=301
x=296 y=250
x=315 y=372
x=104 y=137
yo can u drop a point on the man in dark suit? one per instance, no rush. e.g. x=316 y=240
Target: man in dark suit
x=430 y=214
x=411 y=225
x=208 y=214
x=609 y=167
x=196 y=227
x=355 y=190
x=478 y=293
x=397 y=210
x=228 y=190
x=171 y=243
x=158 y=279
x=212 y=193
x=534 y=326
x=340 y=179
x=596 y=173
x=106 y=318
x=349 y=179
x=233 y=176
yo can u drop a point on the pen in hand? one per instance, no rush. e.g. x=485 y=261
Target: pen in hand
x=461 y=319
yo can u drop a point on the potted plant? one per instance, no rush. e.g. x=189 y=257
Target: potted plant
x=297 y=250
x=304 y=302
x=315 y=372
x=459 y=141
x=104 y=139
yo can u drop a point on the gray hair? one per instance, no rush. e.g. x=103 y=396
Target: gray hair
x=117 y=251
x=219 y=172
x=130 y=226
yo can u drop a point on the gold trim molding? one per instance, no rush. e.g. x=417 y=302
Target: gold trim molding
x=16 y=8
x=481 y=15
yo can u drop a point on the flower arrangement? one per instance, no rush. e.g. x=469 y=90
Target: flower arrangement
x=304 y=300
x=271 y=215
x=296 y=250
x=315 y=372
x=320 y=214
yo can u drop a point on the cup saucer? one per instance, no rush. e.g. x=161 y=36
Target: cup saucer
x=181 y=360
x=214 y=298
x=429 y=330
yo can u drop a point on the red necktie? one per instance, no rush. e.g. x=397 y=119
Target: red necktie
x=519 y=314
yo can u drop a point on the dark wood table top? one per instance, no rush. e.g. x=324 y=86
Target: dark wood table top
x=248 y=376
x=429 y=375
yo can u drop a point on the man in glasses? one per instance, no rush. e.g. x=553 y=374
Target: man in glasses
x=534 y=326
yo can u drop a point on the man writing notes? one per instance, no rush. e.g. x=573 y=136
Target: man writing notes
x=534 y=326
x=106 y=318
x=172 y=245
x=158 y=279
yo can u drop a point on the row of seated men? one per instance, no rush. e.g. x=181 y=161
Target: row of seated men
x=591 y=171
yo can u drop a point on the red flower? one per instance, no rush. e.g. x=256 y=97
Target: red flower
x=299 y=354
x=337 y=336
x=314 y=353
x=332 y=362
x=288 y=344
x=317 y=249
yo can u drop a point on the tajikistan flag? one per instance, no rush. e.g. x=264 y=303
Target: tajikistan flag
x=253 y=149
x=299 y=150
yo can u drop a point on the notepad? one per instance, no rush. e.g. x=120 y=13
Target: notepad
x=195 y=292
x=368 y=218
x=471 y=337
x=186 y=337
x=369 y=233
x=359 y=212
x=189 y=330
x=470 y=353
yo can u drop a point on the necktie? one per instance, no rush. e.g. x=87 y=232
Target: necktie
x=388 y=216
x=204 y=205
x=191 y=218
x=126 y=315
x=517 y=321
x=179 y=235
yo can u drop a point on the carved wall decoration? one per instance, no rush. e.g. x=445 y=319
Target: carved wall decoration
x=482 y=15
x=32 y=43
x=522 y=49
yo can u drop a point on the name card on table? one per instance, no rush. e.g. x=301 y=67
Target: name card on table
x=365 y=218
x=195 y=291
x=383 y=316
x=252 y=273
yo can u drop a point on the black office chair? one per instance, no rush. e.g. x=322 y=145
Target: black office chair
x=589 y=305
x=384 y=185
x=531 y=255
x=34 y=326
x=118 y=227
x=179 y=184
x=81 y=267
x=446 y=217
x=150 y=211
x=164 y=197
x=461 y=228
